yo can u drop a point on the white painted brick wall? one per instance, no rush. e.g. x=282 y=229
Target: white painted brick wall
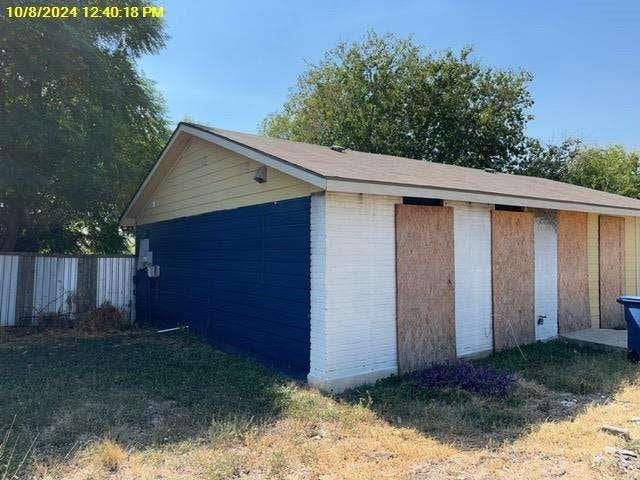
x=353 y=291
x=318 y=256
x=353 y=307
x=546 y=274
x=472 y=249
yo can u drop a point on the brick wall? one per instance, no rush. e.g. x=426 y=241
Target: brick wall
x=472 y=247
x=353 y=330
x=546 y=279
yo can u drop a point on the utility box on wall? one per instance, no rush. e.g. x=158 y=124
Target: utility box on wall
x=153 y=271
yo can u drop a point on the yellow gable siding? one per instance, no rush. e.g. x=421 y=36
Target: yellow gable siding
x=593 y=269
x=207 y=178
x=637 y=257
x=630 y=256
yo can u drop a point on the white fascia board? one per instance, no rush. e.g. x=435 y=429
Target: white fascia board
x=348 y=186
x=282 y=166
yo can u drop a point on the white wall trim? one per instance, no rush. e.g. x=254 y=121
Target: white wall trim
x=338 y=384
x=318 y=331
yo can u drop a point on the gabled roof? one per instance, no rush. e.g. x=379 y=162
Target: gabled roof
x=360 y=172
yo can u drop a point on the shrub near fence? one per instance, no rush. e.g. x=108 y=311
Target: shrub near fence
x=34 y=287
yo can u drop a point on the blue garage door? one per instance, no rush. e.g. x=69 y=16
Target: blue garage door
x=240 y=278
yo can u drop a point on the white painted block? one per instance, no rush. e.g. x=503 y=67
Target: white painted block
x=318 y=352
x=353 y=307
x=473 y=296
x=546 y=274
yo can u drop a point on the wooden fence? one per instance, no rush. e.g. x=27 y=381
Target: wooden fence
x=32 y=285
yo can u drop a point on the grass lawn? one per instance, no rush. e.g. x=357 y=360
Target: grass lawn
x=143 y=405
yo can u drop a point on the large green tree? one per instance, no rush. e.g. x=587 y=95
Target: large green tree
x=386 y=95
x=79 y=127
x=610 y=169
x=550 y=161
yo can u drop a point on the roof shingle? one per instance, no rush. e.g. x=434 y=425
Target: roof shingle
x=357 y=166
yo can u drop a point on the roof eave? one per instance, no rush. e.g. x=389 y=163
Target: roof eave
x=261 y=157
x=185 y=130
x=378 y=188
x=128 y=218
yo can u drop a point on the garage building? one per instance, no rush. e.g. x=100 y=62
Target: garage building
x=344 y=267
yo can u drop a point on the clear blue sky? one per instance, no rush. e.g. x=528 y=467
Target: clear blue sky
x=230 y=63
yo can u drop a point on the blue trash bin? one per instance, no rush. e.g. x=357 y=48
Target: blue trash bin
x=632 y=317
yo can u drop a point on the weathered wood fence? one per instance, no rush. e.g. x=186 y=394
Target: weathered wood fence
x=32 y=285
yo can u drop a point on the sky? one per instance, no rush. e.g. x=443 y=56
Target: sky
x=231 y=63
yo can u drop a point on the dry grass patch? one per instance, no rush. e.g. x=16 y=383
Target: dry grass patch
x=140 y=405
x=110 y=455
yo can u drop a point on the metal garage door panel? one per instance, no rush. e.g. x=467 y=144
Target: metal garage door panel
x=425 y=290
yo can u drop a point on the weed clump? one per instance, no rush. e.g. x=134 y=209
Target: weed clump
x=111 y=455
x=482 y=380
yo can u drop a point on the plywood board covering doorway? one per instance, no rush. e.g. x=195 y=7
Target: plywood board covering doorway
x=573 y=287
x=425 y=286
x=513 y=278
x=612 y=274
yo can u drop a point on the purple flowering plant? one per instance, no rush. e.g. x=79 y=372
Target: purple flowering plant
x=477 y=379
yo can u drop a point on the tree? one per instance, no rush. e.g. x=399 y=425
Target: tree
x=545 y=160
x=79 y=128
x=384 y=95
x=610 y=169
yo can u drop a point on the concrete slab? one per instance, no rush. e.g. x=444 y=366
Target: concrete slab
x=598 y=336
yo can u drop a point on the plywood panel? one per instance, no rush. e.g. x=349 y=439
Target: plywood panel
x=513 y=278
x=611 y=270
x=593 y=269
x=573 y=288
x=425 y=290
